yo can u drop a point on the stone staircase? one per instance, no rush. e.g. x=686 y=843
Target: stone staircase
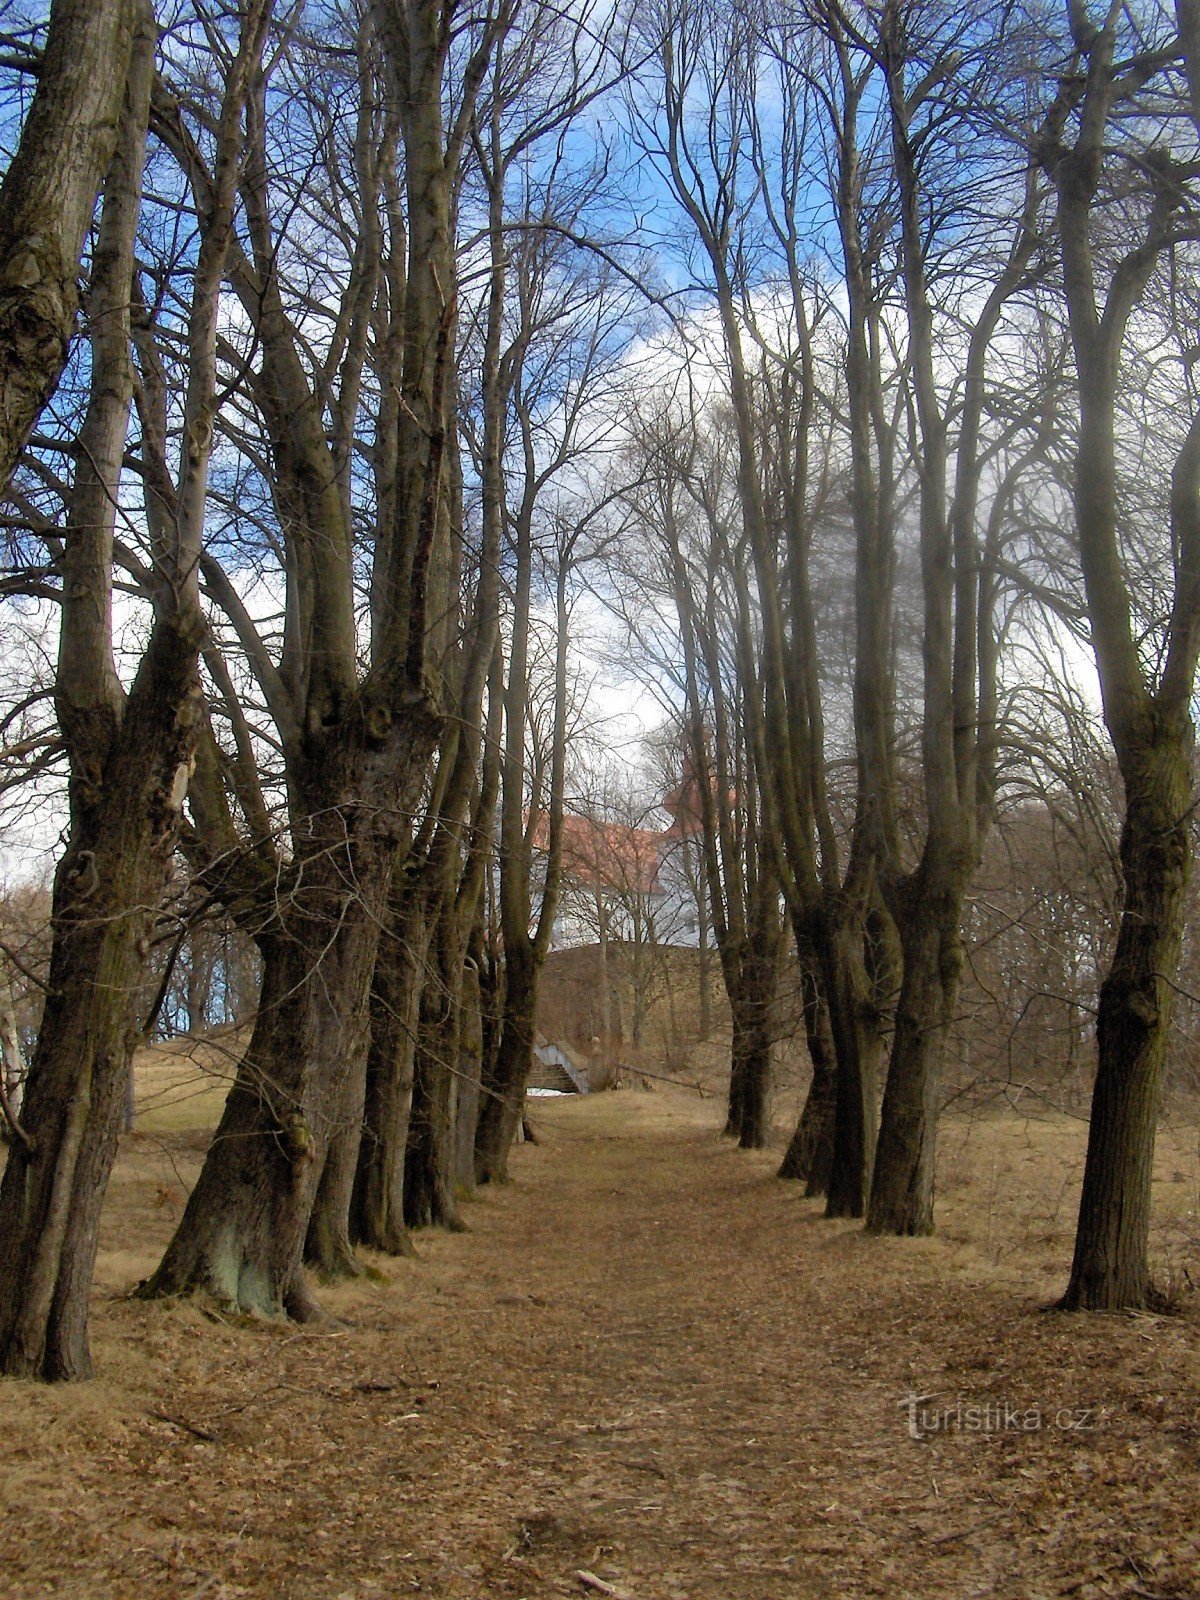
x=553 y=1068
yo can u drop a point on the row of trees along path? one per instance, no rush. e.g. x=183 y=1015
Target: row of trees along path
x=368 y=437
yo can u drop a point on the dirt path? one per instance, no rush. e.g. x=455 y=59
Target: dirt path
x=648 y=1361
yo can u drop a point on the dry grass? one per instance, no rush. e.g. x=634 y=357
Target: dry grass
x=181 y=1086
x=648 y=1360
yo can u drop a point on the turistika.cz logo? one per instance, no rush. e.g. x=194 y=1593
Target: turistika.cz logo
x=961 y=1415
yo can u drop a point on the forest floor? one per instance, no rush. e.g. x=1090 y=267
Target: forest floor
x=649 y=1369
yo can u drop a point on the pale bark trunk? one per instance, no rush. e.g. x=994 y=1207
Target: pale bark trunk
x=12 y=1066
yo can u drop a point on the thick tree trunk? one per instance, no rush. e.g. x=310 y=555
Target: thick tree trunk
x=377 y=1207
x=754 y=1119
x=854 y=1028
x=1110 y=1269
x=243 y=1232
x=752 y=979
x=931 y=941
x=1150 y=721
x=242 y=1235
x=329 y=1243
x=809 y=1157
x=735 y=1108
x=491 y=1028
x=432 y=1145
x=748 y=1116
x=106 y=893
x=131 y=758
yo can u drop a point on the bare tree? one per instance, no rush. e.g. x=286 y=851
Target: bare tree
x=131 y=754
x=1116 y=63
x=567 y=367
x=356 y=742
x=685 y=497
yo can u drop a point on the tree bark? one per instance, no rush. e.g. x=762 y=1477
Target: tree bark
x=471 y=1059
x=1149 y=718
x=106 y=893
x=930 y=936
x=429 y=1199
x=47 y=200
x=504 y=1086
x=854 y=1026
x=377 y=1206
x=131 y=758
x=1110 y=1267
x=809 y=1156
x=752 y=1001
x=12 y=1066
x=300 y=1085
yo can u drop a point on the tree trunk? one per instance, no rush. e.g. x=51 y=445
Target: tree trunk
x=755 y=1111
x=1110 y=1270
x=703 y=948
x=199 y=990
x=329 y=1242
x=809 y=1157
x=12 y=1066
x=471 y=1058
x=854 y=1029
x=47 y=200
x=504 y=1089
x=130 y=762
x=430 y=1159
x=748 y=1116
x=736 y=1104
x=243 y=1233
x=106 y=894
x=377 y=1208
x=931 y=941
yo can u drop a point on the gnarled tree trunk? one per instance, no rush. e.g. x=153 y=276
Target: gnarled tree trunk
x=300 y=1085
x=131 y=759
x=106 y=893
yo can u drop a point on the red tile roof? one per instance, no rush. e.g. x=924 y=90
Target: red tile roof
x=606 y=855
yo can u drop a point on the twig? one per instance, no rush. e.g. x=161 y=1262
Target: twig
x=590 y=1581
x=188 y=1427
